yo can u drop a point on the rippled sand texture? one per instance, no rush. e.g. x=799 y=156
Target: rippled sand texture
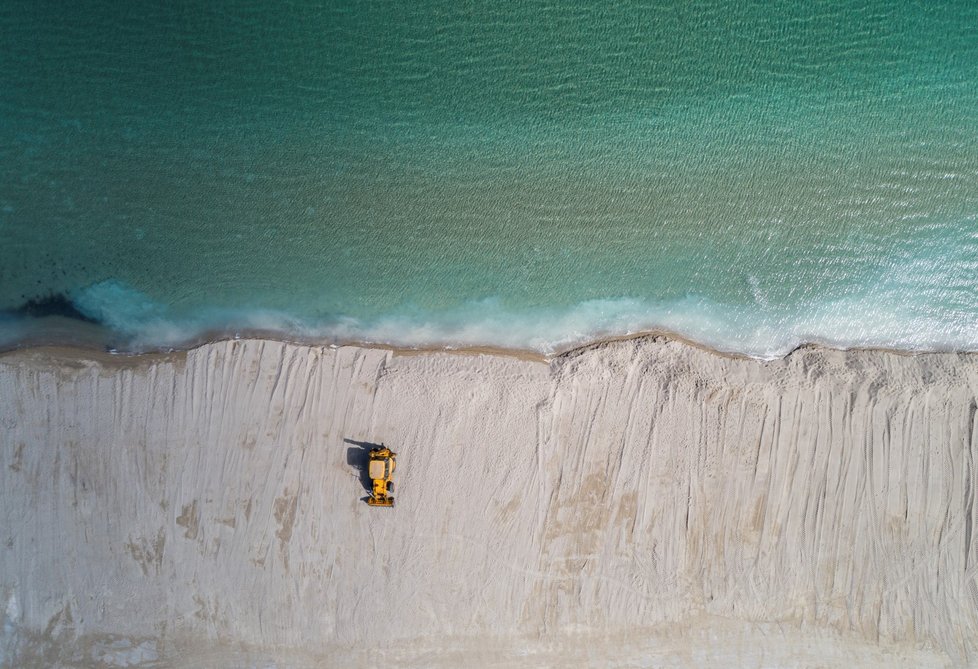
x=523 y=174
x=640 y=503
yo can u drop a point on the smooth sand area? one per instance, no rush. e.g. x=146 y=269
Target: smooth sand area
x=638 y=503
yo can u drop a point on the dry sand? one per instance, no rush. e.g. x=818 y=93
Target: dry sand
x=641 y=503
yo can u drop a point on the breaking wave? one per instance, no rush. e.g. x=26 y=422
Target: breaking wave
x=879 y=318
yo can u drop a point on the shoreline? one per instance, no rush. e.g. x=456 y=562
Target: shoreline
x=90 y=348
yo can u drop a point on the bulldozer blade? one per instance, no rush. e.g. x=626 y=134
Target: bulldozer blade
x=373 y=501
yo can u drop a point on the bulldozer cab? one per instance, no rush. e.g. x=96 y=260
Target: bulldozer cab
x=381 y=468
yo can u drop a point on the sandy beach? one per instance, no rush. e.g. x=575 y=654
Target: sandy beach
x=640 y=502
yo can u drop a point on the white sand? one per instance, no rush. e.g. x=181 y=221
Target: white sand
x=641 y=503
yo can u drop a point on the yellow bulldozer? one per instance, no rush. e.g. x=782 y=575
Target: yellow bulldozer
x=380 y=470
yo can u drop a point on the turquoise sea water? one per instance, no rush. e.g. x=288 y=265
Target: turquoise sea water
x=527 y=174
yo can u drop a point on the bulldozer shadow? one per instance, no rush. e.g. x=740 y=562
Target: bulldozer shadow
x=358 y=457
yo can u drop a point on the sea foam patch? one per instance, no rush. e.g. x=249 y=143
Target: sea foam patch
x=118 y=306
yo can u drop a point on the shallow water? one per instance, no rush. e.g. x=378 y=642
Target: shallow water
x=532 y=175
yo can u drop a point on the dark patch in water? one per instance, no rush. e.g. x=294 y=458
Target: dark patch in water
x=55 y=304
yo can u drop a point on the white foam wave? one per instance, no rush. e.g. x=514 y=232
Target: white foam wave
x=876 y=318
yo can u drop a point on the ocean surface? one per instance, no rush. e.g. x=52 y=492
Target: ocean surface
x=525 y=174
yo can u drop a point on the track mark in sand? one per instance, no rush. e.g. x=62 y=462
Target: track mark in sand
x=60 y=622
x=18 y=462
x=969 y=491
x=189 y=518
x=285 y=508
x=148 y=554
